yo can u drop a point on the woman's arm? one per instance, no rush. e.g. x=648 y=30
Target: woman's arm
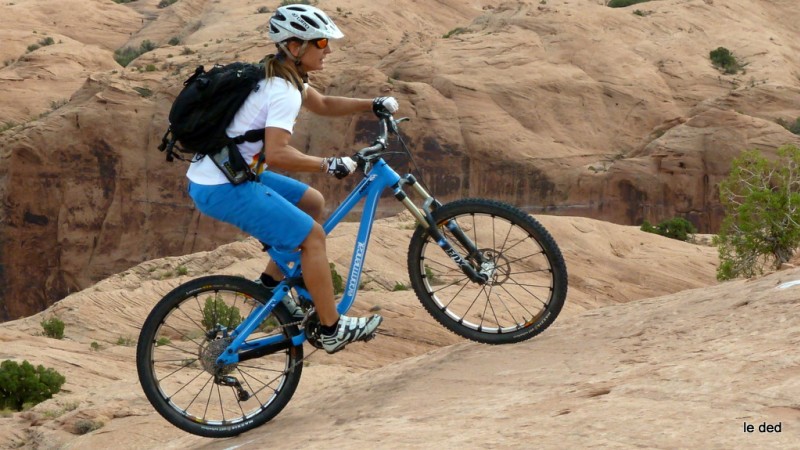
x=326 y=105
x=281 y=155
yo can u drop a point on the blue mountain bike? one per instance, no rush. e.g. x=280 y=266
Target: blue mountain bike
x=220 y=355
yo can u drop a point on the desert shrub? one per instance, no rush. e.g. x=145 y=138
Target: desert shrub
x=53 y=328
x=174 y=40
x=7 y=126
x=146 y=92
x=398 y=286
x=46 y=41
x=55 y=104
x=296 y=2
x=215 y=311
x=165 y=3
x=624 y=3
x=675 y=228
x=23 y=384
x=794 y=127
x=125 y=55
x=455 y=31
x=723 y=59
x=33 y=47
x=262 y=10
x=125 y=341
x=338 y=281
x=123 y=1
x=84 y=426
x=761 y=198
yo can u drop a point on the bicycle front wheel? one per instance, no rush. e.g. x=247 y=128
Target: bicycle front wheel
x=179 y=344
x=527 y=281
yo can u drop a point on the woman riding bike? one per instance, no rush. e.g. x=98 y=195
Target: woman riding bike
x=281 y=211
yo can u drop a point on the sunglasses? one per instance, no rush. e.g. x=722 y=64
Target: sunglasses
x=321 y=43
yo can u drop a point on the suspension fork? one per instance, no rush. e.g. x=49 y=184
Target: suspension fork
x=424 y=217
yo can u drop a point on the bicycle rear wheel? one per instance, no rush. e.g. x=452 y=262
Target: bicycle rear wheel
x=180 y=342
x=528 y=282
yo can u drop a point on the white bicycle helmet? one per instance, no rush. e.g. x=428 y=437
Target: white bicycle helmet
x=303 y=22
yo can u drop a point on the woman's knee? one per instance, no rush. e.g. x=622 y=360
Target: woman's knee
x=315 y=239
x=313 y=203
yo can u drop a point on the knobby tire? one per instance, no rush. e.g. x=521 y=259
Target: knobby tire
x=178 y=346
x=527 y=287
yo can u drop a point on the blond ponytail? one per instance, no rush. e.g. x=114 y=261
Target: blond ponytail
x=276 y=66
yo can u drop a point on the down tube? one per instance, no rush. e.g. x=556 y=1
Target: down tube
x=381 y=177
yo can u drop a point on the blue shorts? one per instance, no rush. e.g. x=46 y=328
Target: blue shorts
x=265 y=208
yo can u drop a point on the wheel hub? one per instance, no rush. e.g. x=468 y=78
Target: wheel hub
x=492 y=268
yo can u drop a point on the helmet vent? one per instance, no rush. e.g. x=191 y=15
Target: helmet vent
x=322 y=19
x=310 y=21
x=297 y=26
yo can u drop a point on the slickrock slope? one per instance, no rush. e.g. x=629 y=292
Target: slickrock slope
x=680 y=370
x=565 y=106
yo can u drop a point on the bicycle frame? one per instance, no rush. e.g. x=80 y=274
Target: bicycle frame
x=371 y=187
x=376 y=181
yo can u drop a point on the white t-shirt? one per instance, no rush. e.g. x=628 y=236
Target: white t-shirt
x=274 y=103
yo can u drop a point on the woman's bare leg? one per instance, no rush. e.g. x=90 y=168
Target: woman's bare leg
x=313 y=204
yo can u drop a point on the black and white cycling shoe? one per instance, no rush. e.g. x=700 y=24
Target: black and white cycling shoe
x=351 y=329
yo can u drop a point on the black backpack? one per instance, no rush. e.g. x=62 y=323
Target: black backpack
x=206 y=106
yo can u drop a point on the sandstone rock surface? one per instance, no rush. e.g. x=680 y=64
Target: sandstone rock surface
x=564 y=107
x=611 y=341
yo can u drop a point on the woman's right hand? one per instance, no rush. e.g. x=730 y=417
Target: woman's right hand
x=384 y=105
x=339 y=166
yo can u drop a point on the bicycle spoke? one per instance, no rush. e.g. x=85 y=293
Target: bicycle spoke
x=521 y=274
x=184 y=347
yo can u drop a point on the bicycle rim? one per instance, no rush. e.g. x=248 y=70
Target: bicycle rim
x=527 y=282
x=178 y=348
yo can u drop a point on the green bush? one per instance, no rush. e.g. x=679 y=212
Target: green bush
x=174 y=40
x=723 y=59
x=298 y=2
x=455 y=31
x=125 y=55
x=338 y=282
x=215 y=311
x=794 y=127
x=84 y=426
x=398 y=286
x=624 y=3
x=761 y=198
x=675 y=228
x=165 y=3
x=22 y=385
x=53 y=328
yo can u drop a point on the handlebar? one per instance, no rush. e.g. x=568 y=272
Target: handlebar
x=388 y=124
